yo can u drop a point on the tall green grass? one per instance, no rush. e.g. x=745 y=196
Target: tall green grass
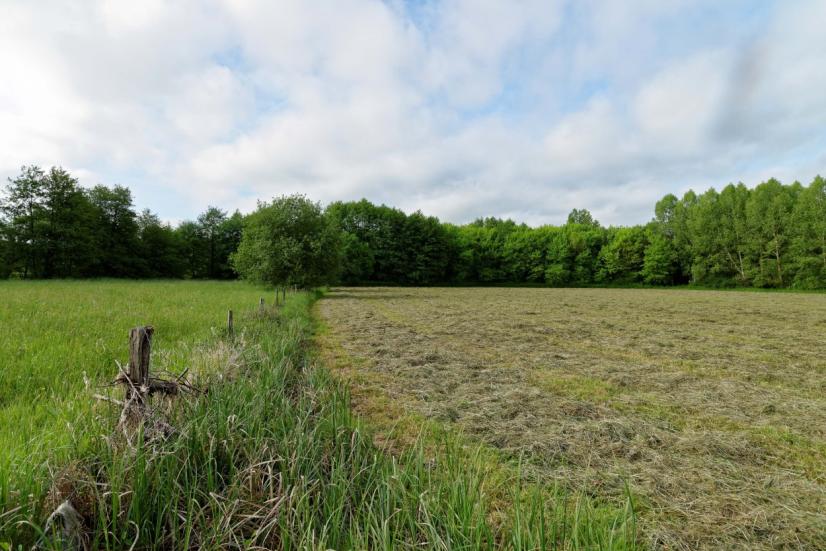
x=272 y=457
x=58 y=337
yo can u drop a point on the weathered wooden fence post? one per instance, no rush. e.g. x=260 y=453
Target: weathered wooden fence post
x=229 y=323
x=140 y=351
x=261 y=304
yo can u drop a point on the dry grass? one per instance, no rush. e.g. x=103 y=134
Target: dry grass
x=711 y=405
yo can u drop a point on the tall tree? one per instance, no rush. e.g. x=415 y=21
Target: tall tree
x=193 y=249
x=117 y=232
x=69 y=248
x=769 y=214
x=23 y=210
x=719 y=233
x=373 y=237
x=582 y=216
x=160 y=248
x=210 y=225
x=426 y=244
x=526 y=254
x=671 y=216
x=230 y=238
x=661 y=265
x=808 y=244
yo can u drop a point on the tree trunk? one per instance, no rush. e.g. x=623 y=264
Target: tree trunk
x=779 y=268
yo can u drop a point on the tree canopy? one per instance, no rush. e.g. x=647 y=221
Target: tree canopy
x=289 y=241
x=772 y=235
x=51 y=227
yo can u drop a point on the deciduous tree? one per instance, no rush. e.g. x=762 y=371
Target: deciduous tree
x=289 y=241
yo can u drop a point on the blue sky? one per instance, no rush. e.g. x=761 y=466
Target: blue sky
x=522 y=109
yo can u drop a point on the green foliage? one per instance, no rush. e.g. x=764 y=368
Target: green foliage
x=671 y=222
x=808 y=245
x=583 y=217
x=50 y=227
x=768 y=216
x=289 y=242
x=68 y=243
x=574 y=253
x=383 y=244
x=769 y=236
x=661 y=263
x=221 y=235
x=621 y=259
x=371 y=237
x=161 y=248
x=5 y=260
x=427 y=250
x=482 y=251
x=526 y=252
x=118 y=232
x=208 y=243
x=23 y=213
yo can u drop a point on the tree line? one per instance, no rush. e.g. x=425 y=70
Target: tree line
x=771 y=236
x=51 y=227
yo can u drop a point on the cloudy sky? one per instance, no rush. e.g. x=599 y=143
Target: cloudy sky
x=522 y=109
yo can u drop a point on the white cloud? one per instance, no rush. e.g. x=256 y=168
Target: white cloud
x=679 y=107
x=593 y=136
x=207 y=105
x=462 y=108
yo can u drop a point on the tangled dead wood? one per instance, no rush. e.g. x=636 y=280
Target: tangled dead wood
x=65 y=525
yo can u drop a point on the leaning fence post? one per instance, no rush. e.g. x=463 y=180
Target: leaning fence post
x=140 y=351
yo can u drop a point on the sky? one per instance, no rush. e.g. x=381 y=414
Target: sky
x=467 y=108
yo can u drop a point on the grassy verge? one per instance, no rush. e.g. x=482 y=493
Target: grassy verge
x=60 y=344
x=273 y=457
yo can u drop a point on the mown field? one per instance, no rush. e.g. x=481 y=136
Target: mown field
x=710 y=406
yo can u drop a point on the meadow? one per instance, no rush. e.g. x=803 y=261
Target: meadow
x=708 y=406
x=270 y=455
x=61 y=342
